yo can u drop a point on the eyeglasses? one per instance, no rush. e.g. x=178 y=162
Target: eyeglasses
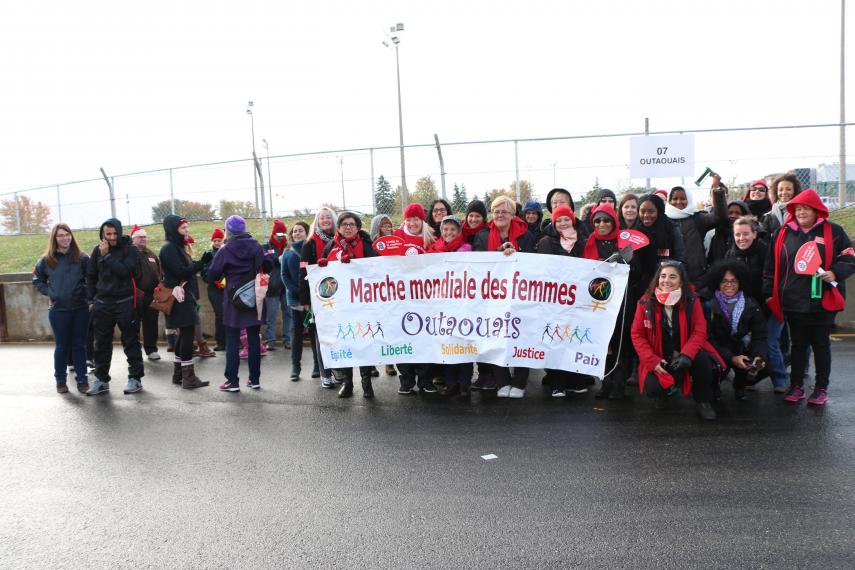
x=501 y=213
x=729 y=282
x=347 y=225
x=758 y=189
x=439 y=210
x=602 y=221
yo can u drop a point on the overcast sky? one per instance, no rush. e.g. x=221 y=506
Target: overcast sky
x=140 y=86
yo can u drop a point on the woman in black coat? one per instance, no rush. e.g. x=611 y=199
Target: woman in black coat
x=180 y=269
x=737 y=325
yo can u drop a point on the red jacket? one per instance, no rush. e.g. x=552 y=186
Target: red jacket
x=412 y=240
x=646 y=335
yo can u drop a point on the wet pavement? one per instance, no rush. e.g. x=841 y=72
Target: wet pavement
x=291 y=476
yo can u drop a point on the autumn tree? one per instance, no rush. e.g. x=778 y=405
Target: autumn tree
x=193 y=211
x=34 y=216
x=425 y=191
x=243 y=208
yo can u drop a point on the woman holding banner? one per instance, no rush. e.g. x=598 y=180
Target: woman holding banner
x=506 y=233
x=321 y=233
x=669 y=333
x=804 y=276
x=350 y=242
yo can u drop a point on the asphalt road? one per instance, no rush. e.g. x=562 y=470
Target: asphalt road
x=293 y=477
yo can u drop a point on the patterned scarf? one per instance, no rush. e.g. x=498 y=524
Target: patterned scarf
x=732 y=308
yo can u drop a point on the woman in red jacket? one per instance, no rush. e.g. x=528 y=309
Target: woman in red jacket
x=669 y=333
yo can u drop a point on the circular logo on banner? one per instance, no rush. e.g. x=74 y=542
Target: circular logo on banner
x=624 y=235
x=801 y=265
x=412 y=250
x=327 y=288
x=600 y=289
x=380 y=246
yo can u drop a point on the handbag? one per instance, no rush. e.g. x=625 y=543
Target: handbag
x=242 y=293
x=163 y=299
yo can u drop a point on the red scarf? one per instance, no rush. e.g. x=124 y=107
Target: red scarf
x=439 y=246
x=278 y=244
x=469 y=232
x=518 y=228
x=350 y=247
x=591 y=251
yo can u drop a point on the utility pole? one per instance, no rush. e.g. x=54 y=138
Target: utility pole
x=112 y=193
x=441 y=166
x=341 y=168
x=841 y=179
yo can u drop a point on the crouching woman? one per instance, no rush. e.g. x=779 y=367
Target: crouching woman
x=669 y=334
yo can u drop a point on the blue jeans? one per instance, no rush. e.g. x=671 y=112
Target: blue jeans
x=776 y=357
x=274 y=304
x=69 y=331
x=233 y=354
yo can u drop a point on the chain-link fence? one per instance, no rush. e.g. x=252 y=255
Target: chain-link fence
x=299 y=183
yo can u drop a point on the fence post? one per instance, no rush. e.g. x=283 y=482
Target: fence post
x=441 y=165
x=58 y=203
x=517 y=168
x=841 y=179
x=171 y=194
x=373 y=195
x=647 y=132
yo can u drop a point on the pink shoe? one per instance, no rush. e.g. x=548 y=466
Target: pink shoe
x=244 y=353
x=819 y=397
x=795 y=395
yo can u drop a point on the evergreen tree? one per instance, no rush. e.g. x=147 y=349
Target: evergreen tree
x=459 y=200
x=383 y=198
x=488 y=200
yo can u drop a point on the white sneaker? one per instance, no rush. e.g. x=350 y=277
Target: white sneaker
x=504 y=391
x=154 y=356
x=516 y=393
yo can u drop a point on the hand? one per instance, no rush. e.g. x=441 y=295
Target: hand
x=344 y=258
x=306 y=308
x=323 y=262
x=207 y=257
x=716 y=181
x=679 y=365
x=103 y=247
x=90 y=307
x=740 y=361
x=758 y=363
x=660 y=368
x=828 y=276
x=508 y=248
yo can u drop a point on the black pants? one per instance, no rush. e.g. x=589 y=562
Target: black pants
x=215 y=296
x=563 y=380
x=457 y=374
x=410 y=374
x=810 y=330
x=316 y=346
x=105 y=318
x=702 y=380
x=184 y=344
x=504 y=378
x=346 y=374
x=297 y=318
x=148 y=318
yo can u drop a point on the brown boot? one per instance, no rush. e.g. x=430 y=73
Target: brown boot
x=176 y=373
x=203 y=350
x=189 y=380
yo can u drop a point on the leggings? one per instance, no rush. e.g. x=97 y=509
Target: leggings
x=810 y=330
x=184 y=344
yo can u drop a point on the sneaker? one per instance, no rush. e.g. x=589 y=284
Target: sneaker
x=244 y=353
x=516 y=393
x=405 y=391
x=559 y=393
x=154 y=356
x=98 y=387
x=504 y=392
x=781 y=389
x=61 y=389
x=133 y=386
x=328 y=383
x=229 y=387
x=270 y=346
x=706 y=411
x=254 y=384
x=485 y=385
x=90 y=363
x=295 y=375
x=286 y=345
x=316 y=373
x=428 y=389
x=219 y=348
x=579 y=390
x=819 y=397
x=795 y=395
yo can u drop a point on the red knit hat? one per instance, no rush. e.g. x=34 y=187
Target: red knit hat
x=137 y=231
x=279 y=227
x=217 y=234
x=563 y=210
x=415 y=210
x=759 y=183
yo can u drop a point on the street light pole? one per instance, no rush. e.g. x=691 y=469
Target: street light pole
x=254 y=173
x=341 y=167
x=269 y=183
x=395 y=39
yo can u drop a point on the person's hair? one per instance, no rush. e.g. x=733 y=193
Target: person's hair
x=53 y=248
x=747 y=220
x=314 y=224
x=717 y=271
x=788 y=177
x=623 y=200
x=302 y=224
x=506 y=201
x=344 y=216
x=685 y=285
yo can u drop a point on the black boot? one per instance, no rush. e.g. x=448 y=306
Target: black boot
x=618 y=383
x=346 y=389
x=367 y=388
x=605 y=389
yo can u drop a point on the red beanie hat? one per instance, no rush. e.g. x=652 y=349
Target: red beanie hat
x=415 y=210
x=279 y=227
x=563 y=210
x=137 y=231
x=217 y=234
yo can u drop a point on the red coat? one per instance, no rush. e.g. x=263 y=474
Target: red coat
x=647 y=339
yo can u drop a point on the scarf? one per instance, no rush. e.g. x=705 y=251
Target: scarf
x=759 y=207
x=732 y=307
x=568 y=238
x=677 y=214
x=591 y=249
x=669 y=299
x=469 y=232
x=518 y=228
x=439 y=246
x=278 y=244
x=343 y=246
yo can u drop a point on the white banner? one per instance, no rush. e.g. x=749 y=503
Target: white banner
x=527 y=310
x=666 y=156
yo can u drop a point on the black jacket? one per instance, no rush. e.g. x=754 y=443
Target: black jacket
x=694 y=229
x=551 y=244
x=65 y=284
x=753 y=258
x=178 y=267
x=752 y=322
x=110 y=277
x=275 y=287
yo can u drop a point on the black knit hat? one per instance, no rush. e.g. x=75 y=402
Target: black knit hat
x=563 y=191
x=477 y=206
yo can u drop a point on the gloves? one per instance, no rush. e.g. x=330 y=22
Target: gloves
x=207 y=257
x=345 y=258
x=679 y=365
x=322 y=262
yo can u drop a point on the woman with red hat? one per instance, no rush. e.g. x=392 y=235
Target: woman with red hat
x=275 y=300
x=215 y=291
x=809 y=303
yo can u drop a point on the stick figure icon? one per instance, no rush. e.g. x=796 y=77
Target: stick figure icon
x=585 y=335
x=546 y=333
x=379 y=330
x=340 y=332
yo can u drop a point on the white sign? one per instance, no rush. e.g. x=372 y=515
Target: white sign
x=666 y=156
x=524 y=310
